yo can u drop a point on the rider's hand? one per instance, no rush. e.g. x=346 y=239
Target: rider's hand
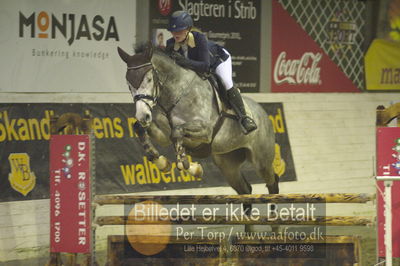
x=174 y=55
x=181 y=60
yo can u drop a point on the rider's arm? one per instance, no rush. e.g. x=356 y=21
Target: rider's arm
x=170 y=46
x=203 y=63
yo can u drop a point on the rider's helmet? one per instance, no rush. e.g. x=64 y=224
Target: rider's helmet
x=180 y=20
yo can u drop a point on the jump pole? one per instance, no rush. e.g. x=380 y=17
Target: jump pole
x=388 y=183
x=385 y=154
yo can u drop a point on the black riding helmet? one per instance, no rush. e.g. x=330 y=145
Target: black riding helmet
x=180 y=20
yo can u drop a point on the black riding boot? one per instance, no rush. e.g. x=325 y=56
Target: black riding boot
x=236 y=101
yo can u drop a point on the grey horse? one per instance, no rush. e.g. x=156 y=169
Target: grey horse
x=177 y=106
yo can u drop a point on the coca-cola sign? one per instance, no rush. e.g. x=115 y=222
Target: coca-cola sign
x=299 y=64
x=164 y=7
x=305 y=70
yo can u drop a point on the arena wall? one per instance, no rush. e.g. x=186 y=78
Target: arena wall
x=332 y=137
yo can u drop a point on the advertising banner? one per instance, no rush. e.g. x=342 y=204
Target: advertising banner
x=299 y=63
x=121 y=166
x=64 y=46
x=388 y=164
x=234 y=25
x=389 y=20
x=70 y=201
x=382 y=65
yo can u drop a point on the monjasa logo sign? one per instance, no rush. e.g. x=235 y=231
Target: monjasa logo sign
x=71 y=26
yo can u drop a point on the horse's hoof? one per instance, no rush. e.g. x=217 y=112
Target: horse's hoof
x=163 y=164
x=186 y=163
x=196 y=170
x=179 y=165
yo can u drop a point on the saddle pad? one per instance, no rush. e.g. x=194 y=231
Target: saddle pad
x=222 y=107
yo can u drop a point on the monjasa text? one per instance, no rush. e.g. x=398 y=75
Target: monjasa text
x=77 y=27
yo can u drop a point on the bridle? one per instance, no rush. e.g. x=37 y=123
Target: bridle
x=145 y=97
x=158 y=85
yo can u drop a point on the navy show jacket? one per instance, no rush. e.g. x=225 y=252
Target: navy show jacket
x=205 y=56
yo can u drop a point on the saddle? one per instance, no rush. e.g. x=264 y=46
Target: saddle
x=223 y=105
x=219 y=90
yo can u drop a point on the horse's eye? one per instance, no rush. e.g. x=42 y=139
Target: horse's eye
x=148 y=79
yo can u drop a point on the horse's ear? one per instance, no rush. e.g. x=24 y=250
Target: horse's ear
x=124 y=56
x=148 y=53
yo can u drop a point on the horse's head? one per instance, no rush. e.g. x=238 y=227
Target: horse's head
x=140 y=76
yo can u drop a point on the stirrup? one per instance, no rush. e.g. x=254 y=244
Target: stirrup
x=247 y=126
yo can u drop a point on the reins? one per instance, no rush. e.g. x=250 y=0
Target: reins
x=158 y=85
x=141 y=97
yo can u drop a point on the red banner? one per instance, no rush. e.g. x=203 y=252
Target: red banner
x=388 y=164
x=70 y=221
x=299 y=64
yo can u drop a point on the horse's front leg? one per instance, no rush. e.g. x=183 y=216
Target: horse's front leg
x=195 y=130
x=151 y=152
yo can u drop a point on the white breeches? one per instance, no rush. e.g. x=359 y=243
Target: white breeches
x=224 y=72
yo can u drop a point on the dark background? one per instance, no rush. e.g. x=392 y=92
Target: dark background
x=110 y=153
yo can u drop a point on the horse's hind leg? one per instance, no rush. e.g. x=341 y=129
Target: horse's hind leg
x=265 y=170
x=272 y=179
x=229 y=164
x=262 y=159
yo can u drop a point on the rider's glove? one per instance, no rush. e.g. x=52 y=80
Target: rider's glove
x=183 y=62
x=174 y=55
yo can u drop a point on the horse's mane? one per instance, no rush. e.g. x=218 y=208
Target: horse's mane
x=142 y=46
x=162 y=58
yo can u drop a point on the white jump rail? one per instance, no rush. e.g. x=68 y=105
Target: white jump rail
x=388 y=183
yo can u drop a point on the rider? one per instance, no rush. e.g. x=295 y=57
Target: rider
x=201 y=55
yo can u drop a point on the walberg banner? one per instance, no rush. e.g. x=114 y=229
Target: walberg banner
x=121 y=166
x=234 y=25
